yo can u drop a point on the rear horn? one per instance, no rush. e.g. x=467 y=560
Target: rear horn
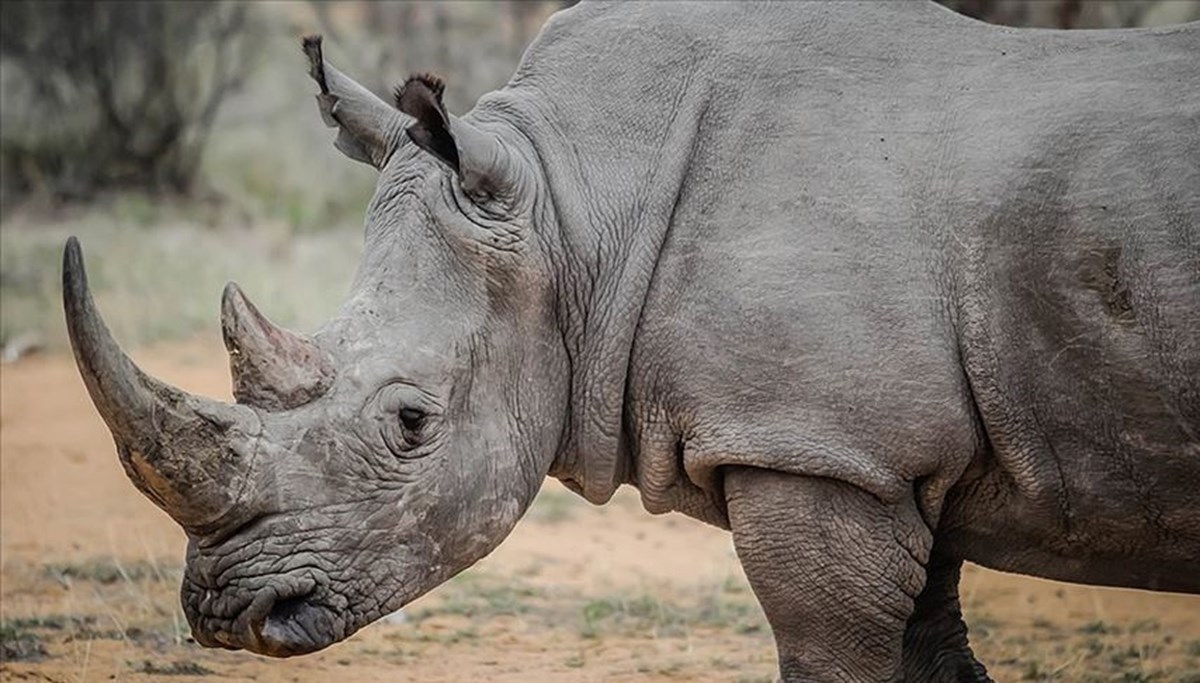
x=273 y=368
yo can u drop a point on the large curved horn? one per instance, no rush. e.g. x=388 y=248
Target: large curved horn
x=272 y=368
x=188 y=454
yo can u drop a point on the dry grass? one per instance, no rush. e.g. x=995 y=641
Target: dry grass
x=134 y=607
x=1030 y=630
x=157 y=271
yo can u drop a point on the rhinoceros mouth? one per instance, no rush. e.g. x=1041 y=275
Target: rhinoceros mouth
x=293 y=626
x=278 y=622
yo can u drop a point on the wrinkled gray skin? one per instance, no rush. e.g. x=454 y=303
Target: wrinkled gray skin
x=877 y=287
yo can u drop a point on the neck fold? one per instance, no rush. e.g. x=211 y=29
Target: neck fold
x=614 y=165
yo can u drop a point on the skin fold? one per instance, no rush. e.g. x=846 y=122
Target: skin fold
x=879 y=288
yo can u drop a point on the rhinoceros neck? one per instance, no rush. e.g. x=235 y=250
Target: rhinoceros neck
x=615 y=101
x=614 y=162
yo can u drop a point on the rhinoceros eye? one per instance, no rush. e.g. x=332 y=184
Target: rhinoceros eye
x=405 y=419
x=412 y=419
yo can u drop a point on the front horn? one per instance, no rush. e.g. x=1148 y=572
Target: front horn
x=190 y=455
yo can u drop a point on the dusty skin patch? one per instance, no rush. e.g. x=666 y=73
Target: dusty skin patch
x=90 y=573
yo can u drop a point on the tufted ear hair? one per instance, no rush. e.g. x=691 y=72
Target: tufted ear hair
x=483 y=165
x=421 y=98
x=368 y=129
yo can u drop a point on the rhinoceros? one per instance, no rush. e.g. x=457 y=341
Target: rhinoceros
x=879 y=288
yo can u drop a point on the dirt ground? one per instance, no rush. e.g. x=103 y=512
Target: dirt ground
x=90 y=576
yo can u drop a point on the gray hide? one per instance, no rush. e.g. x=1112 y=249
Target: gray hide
x=875 y=286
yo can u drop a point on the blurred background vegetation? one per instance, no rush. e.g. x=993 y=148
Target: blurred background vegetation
x=180 y=141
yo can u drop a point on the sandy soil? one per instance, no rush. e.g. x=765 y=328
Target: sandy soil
x=577 y=593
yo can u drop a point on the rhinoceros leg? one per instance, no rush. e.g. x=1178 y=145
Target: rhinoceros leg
x=935 y=643
x=836 y=570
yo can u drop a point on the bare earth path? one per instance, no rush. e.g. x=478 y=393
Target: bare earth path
x=90 y=572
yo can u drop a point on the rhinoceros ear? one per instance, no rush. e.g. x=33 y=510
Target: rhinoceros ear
x=484 y=166
x=368 y=129
x=421 y=98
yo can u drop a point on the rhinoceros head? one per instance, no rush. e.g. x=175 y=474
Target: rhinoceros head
x=364 y=465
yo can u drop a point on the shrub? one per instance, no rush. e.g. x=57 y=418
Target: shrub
x=102 y=95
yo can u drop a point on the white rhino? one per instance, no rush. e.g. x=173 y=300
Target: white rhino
x=875 y=286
